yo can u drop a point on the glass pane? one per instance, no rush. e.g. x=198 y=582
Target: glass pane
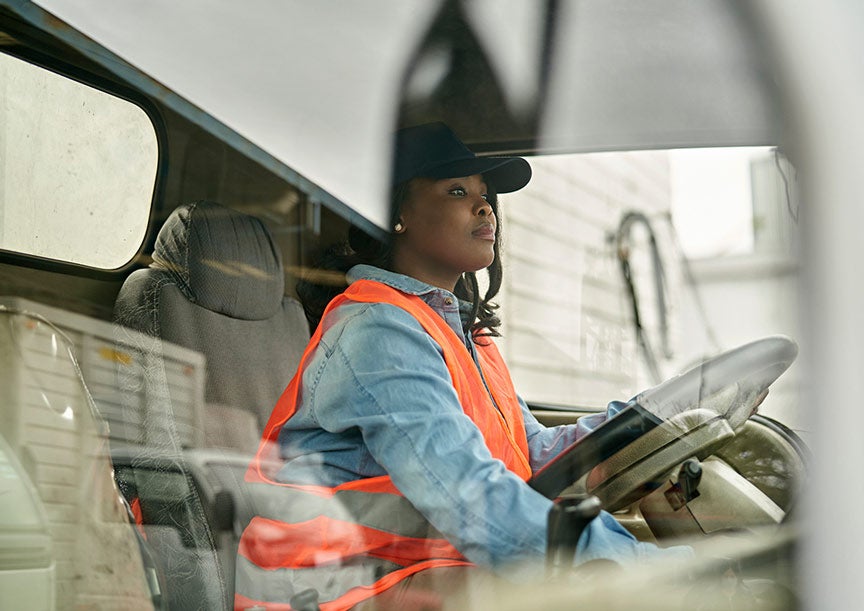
x=77 y=169
x=570 y=333
x=733 y=201
x=17 y=506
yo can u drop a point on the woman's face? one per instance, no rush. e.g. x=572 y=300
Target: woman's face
x=448 y=228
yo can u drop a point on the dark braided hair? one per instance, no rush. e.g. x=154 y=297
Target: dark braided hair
x=316 y=290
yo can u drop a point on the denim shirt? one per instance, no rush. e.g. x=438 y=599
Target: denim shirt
x=376 y=399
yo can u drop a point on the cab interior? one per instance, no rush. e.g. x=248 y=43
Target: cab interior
x=127 y=393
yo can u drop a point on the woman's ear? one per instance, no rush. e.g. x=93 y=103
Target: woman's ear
x=399 y=199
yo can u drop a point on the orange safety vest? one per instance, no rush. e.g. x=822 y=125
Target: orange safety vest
x=355 y=540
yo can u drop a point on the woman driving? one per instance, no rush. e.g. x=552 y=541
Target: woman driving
x=403 y=448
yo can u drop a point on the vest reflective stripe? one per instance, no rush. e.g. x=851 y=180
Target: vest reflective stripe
x=322 y=540
x=386 y=512
x=340 y=538
x=284 y=583
x=321 y=582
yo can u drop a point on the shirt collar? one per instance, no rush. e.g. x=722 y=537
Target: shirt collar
x=432 y=295
x=400 y=282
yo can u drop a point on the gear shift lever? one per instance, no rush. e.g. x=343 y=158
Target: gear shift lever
x=568 y=517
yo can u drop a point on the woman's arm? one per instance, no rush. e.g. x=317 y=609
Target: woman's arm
x=544 y=443
x=385 y=376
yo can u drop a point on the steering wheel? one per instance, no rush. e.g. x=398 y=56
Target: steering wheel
x=691 y=414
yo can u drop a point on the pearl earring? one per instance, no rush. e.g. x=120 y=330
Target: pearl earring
x=398 y=228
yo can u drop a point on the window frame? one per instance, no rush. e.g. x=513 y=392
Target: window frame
x=118 y=90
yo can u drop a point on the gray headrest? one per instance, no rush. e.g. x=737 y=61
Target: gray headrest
x=222 y=260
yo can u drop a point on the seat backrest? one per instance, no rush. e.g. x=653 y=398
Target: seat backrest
x=216 y=286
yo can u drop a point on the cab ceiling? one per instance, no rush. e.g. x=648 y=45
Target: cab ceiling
x=317 y=88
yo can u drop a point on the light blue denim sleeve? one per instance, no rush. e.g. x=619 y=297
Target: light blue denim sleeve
x=386 y=376
x=604 y=538
x=545 y=443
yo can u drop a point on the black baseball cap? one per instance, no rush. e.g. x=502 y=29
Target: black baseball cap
x=432 y=150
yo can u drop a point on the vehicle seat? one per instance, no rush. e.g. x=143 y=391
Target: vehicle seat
x=216 y=286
